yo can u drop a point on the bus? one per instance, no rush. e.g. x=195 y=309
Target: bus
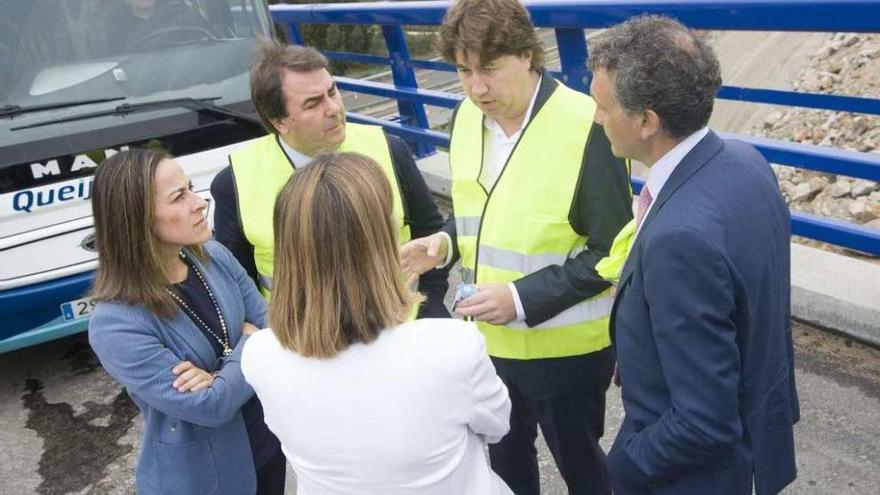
x=81 y=80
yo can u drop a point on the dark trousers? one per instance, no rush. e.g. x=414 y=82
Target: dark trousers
x=272 y=475
x=572 y=425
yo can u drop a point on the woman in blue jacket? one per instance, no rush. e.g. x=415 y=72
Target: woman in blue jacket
x=174 y=312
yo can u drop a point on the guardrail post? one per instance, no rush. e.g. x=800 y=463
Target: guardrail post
x=573 y=58
x=291 y=33
x=411 y=113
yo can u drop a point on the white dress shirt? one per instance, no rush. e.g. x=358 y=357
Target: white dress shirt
x=497 y=151
x=499 y=145
x=299 y=160
x=659 y=173
x=408 y=414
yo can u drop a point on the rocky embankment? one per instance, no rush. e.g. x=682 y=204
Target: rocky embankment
x=847 y=64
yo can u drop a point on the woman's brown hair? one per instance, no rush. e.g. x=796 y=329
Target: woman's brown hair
x=130 y=264
x=337 y=278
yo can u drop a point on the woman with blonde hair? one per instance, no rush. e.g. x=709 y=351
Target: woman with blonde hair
x=363 y=400
x=174 y=312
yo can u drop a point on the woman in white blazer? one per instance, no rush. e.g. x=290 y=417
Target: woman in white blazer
x=363 y=400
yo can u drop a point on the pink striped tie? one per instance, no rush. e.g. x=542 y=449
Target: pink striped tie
x=644 y=202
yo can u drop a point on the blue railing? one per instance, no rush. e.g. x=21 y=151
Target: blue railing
x=569 y=19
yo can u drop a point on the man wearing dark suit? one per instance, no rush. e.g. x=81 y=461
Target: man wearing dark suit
x=701 y=319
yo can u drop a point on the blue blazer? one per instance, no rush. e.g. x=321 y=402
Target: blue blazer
x=194 y=442
x=702 y=329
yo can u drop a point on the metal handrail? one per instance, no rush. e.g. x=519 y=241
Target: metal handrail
x=570 y=18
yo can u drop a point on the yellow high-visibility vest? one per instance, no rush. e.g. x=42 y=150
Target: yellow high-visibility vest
x=521 y=225
x=261 y=169
x=610 y=266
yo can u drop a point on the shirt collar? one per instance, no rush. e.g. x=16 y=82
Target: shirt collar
x=299 y=160
x=495 y=127
x=660 y=172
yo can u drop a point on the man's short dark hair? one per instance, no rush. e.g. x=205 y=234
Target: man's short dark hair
x=273 y=59
x=489 y=29
x=658 y=64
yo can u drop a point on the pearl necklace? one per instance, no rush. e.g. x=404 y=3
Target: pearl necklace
x=227 y=350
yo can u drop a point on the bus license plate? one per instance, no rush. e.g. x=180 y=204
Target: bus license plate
x=77 y=309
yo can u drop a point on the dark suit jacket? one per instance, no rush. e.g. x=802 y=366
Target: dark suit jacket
x=702 y=330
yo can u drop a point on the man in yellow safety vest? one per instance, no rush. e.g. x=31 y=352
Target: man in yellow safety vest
x=299 y=103
x=538 y=198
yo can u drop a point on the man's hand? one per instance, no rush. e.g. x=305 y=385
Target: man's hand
x=423 y=254
x=493 y=303
x=191 y=378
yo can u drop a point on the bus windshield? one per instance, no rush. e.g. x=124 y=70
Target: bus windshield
x=62 y=58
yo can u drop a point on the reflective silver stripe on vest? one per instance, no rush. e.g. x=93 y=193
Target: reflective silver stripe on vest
x=505 y=259
x=467 y=226
x=266 y=282
x=582 y=312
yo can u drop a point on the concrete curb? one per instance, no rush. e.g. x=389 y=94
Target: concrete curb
x=836 y=292
x=828 y=290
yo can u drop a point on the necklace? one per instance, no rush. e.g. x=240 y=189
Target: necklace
x=224 y=342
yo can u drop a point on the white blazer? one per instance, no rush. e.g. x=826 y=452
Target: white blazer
x=407 y=414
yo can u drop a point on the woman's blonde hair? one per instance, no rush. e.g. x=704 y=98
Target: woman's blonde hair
x=130 y=264
x=337 y=278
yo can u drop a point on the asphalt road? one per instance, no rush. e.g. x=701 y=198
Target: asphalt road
x=68 y=428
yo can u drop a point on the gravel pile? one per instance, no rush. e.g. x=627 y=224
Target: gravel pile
x=848 y=64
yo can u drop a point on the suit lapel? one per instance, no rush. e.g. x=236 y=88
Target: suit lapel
x=623 y=281
x=704 y=151
x=626 y=272
x=188 y=330
x=194 y=338
x=224 y=296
